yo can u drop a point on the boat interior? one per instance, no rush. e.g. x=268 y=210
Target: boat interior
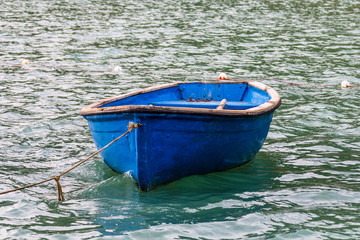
x=231 y=96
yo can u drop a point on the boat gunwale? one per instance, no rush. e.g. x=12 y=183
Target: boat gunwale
x=268 y=106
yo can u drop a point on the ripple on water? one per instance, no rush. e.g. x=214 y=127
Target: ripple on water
x=303 y=184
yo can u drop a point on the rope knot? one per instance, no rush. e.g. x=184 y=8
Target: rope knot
x=133 y=125
x=60 y=193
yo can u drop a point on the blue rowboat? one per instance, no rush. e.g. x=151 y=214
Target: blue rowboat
x=187 y=128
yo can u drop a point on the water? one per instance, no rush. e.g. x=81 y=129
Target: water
x=303 y=184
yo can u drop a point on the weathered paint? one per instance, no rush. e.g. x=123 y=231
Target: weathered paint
x=175 y=142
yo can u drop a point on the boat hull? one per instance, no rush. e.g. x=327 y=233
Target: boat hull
x=168 y=147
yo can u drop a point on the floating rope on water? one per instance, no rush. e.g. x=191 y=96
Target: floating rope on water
x=222 y=76
x=131 y=127
x=344 y=84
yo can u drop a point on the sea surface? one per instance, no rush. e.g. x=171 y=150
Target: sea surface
x=303 y=184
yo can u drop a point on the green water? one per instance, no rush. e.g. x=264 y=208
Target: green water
x=303 y=184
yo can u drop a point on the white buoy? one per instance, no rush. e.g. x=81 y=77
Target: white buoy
x=345 y=84
x=25 y=62
x=117 y=69
x=222 y=76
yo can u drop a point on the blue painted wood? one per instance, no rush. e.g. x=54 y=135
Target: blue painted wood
x=211 y=104
x=173 y=145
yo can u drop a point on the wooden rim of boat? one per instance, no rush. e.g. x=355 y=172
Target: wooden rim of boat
x=270 y=105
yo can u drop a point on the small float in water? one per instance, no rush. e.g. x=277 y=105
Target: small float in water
x=186 y=128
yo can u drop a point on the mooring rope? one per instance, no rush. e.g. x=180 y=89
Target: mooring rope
x=131 y=127
x=344 y=84
x=222 y=76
